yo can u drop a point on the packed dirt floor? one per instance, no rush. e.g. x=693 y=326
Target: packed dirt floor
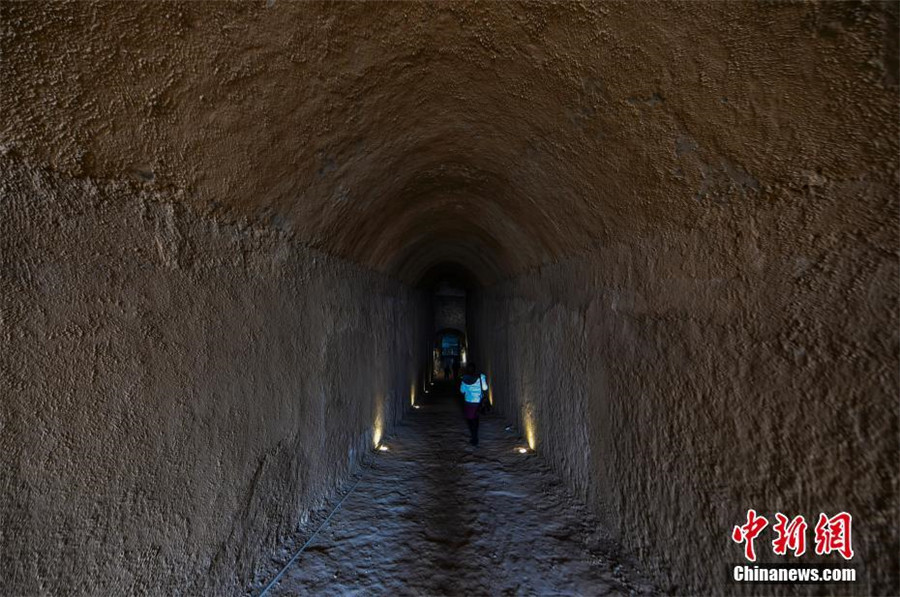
x=435 y=516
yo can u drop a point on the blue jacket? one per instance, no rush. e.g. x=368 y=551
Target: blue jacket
x=473 y=388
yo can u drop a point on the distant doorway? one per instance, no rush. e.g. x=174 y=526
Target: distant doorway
x=449 y=354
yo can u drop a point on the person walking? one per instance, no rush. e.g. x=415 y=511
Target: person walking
x=473 y=387
x=447 y=366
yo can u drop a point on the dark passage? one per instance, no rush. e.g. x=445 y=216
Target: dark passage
x=239 y=240
x=433 y=516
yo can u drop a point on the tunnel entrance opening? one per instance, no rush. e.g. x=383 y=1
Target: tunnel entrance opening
x=449 y=304
x=448 y=287
x=449 y=354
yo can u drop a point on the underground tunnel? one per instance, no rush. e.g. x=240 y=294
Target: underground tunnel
x=249 y=250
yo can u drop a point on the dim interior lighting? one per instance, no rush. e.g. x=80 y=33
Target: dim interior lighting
x=417 y=406
x=378 y=427
x=530 y=431
x=383 y=448
x=522 y=450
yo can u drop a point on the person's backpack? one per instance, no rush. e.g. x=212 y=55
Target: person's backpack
x=485 y=406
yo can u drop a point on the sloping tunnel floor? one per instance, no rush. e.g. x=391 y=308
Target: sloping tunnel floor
x=434 y=516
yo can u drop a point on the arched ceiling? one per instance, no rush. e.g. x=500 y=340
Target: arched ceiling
x=497 y=136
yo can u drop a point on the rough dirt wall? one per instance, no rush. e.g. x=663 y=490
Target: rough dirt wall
x=177 y=392
x=449 y=312
x=747 y=361
x=501 y=135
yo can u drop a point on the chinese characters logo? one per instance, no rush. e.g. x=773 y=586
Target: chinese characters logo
x=831 y=534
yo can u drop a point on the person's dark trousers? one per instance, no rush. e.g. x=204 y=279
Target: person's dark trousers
x=473 y=430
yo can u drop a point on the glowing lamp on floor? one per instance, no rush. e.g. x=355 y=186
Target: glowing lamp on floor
x=530 y=431
x=378 y=426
